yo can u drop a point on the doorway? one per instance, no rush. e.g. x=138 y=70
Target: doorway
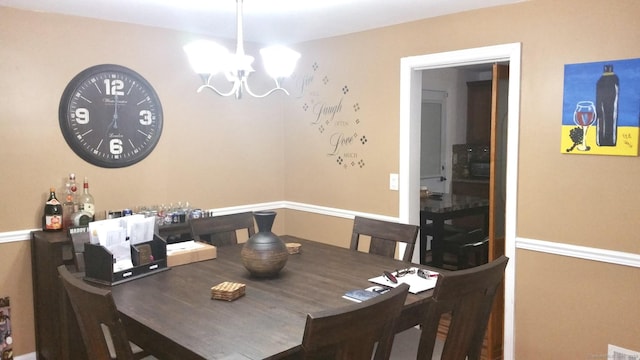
x=409 y=171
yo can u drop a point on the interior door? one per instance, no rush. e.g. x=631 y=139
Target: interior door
x=497 y=196
x=433 y=141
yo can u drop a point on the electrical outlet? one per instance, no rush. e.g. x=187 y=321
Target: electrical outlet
x=393 y=182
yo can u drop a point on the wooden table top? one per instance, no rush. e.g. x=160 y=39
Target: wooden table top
x=172 y=312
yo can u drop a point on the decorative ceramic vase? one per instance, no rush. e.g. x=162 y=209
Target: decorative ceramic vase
x=264 y=254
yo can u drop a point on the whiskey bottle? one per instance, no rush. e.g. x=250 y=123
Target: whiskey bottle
x=52 y=217
x=85 y=201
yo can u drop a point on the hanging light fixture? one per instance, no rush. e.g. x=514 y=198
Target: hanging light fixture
x=208 y=58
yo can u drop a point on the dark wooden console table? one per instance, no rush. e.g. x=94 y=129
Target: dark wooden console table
x=48 y=251
x=53 y=342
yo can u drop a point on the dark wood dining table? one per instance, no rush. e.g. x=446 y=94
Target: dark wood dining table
x=172 y=314
x=441 y=208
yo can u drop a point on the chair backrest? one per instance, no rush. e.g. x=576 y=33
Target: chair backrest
x=384 y=236
x=96 y=312
x=221 y=230
x=354 y=331
x=470 y=248
x=467 y=295
x=79 y=237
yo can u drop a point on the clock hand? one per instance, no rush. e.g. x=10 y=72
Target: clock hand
x=115 y=113
x=114 y=121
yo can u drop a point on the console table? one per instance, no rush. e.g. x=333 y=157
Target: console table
x=53 y=342
x=48 y=251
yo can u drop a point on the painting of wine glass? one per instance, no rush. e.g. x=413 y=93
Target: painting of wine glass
x=601 y=108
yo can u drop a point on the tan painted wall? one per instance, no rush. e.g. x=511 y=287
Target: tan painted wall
x=211 y=148
x=208 y=153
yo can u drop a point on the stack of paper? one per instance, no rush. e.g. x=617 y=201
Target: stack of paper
x=117 y=236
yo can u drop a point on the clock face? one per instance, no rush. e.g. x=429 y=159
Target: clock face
x=110 y=116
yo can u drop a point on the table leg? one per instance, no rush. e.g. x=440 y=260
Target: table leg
x=436 y=242
x=423 y=239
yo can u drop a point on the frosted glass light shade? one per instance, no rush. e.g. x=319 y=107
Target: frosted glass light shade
x=207 y=57
x=279 y=61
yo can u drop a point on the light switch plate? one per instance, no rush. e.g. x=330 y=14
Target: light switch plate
x=393 y=182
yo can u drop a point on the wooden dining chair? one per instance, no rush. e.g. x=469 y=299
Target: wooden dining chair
x=385 y=236
x=79 y=237
x=99 y=321
x=466 y=249
x=354 y=332
x=466 y=298
x=221 y=230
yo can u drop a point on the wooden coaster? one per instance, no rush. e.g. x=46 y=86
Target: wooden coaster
x=293 y=248
x=228 y=291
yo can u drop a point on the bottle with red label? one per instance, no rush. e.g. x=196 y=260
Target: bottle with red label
x=52 y=217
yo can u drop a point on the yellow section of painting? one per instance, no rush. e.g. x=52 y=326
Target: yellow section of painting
x=626 y=144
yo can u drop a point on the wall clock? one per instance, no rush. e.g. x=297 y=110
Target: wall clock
x=110 y=116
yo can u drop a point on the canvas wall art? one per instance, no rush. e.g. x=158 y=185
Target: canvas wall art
x=601 y=108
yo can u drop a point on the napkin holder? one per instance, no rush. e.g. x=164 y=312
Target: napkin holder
x=99 y=262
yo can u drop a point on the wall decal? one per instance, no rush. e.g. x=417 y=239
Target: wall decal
x=332 y=112
x=601 y=108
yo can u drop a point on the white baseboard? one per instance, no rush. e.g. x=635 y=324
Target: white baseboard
x=30 y=356
x=580 y=252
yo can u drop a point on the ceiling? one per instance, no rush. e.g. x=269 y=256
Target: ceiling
x=265 y=21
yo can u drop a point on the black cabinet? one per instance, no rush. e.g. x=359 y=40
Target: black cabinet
x=479 y=112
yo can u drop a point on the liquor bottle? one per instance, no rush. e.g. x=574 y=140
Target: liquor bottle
x=52 y=217
x=85 y=201
x=607 y=91
x=69 y=206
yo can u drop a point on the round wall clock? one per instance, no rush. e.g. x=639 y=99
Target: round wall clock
x=110 y=116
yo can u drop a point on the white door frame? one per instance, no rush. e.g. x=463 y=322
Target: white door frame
x=409 y=171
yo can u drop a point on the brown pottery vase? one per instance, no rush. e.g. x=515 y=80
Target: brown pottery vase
x=264 y=254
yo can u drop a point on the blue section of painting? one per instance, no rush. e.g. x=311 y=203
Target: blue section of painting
x=580 y=85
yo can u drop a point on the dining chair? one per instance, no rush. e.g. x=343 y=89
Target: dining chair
x=465 y=250
x=221 y=230
x=466 y=298
x=354 y=332
x=100 y=326
x=79 y=237
x=385 y=236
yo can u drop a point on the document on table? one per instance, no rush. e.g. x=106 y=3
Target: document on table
x=183 y=246
x=416 y=283
x=121 y=256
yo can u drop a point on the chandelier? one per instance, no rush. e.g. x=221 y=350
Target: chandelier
x=208 y=58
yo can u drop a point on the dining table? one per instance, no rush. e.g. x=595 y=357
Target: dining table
x=172 y=313
x=436 y=210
